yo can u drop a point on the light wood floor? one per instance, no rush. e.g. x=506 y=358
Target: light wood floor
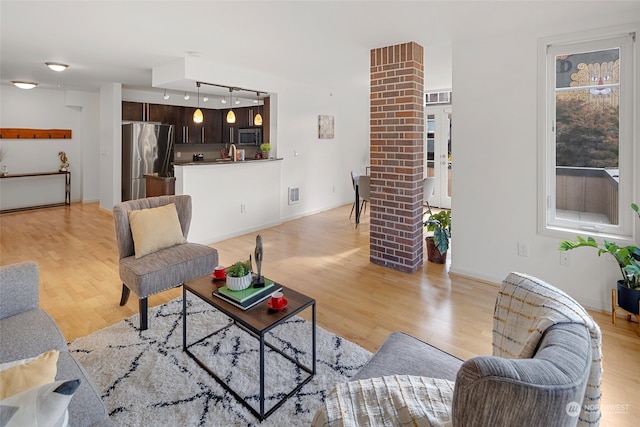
x=323 y=256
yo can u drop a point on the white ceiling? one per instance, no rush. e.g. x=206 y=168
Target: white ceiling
x=121 y=41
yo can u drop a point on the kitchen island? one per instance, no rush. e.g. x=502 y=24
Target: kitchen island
x=230 y=198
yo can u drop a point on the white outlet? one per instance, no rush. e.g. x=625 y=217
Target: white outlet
x=243 y=208
x=523 y=249
x=178 y=154
x=564 y=258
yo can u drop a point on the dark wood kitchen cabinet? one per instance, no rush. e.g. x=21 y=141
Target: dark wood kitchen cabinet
x=161 y=113
x=133 y=111
x=211 y=131
x=208 y=132
x=212 y=126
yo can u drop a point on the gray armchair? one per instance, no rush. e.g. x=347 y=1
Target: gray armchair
x=165 y=268
x=545 y=370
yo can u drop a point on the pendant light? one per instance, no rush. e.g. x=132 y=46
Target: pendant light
x=257 y=120
x=197 y=115
x=166 y=95
x=231 y=116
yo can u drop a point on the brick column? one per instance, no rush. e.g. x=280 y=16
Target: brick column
x=397 y=156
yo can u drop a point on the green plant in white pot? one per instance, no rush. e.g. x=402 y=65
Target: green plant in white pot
x=239 y=276
x=264 y=149
x=628 y=259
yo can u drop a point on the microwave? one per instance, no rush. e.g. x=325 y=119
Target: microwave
x=250 y=136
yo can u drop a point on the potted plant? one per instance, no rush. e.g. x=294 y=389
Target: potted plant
x=438 y=244
x=239 y=276
x=265 y=148
x=628 y=259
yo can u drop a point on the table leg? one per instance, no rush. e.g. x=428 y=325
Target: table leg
x=313 y=336
x=357 y=206
x=67 y=188
x=184 y=319
x=261 y=377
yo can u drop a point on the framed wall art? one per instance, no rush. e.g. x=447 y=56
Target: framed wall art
x=325 y=127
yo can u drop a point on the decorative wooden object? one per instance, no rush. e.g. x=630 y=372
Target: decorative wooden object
x=26 y=133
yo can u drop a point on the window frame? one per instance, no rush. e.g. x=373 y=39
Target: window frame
x=629 y=155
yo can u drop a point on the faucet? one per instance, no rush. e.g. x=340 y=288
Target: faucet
x=232 y=152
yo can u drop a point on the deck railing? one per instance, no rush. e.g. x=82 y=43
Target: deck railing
x=589 y=190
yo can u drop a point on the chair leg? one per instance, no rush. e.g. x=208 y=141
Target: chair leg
x=429 y=208
x=353 y=206
x=143 y=314
x=125 y=294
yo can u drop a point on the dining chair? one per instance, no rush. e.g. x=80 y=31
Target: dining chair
x=354 y=181
x=429 y=185
x=364 y=189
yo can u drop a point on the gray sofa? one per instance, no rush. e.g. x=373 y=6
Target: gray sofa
x=27 y=331
x=542 y=389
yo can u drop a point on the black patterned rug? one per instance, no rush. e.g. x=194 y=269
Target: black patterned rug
x=145 y=379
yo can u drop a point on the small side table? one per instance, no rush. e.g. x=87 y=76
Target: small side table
x=615 y=308
x=67 y=189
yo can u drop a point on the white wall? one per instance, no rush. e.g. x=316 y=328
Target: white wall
x=110 y=145
x=494 y=180
x=48 y=109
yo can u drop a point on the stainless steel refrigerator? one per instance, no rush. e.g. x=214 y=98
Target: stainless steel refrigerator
x=146 y=148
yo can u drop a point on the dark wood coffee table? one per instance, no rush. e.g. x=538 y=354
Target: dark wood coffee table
x=257 y=321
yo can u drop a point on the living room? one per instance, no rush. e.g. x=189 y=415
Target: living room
x=494 y=80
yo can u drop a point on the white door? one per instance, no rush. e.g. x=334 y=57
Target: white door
x=438 y=153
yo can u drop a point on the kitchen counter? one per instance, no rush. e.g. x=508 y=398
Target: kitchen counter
x=231 y=198
x=224 y=161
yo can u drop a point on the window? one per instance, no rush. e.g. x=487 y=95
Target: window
x=587 y=128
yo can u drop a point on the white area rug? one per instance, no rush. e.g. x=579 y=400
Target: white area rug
x=145 y=378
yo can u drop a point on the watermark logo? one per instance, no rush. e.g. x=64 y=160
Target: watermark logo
x=573 y=409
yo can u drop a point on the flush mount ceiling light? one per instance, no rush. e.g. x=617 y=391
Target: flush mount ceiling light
x=186 y=96
x=56 y=66
x=231 y=116
x=24 y=85
x=257 y=120
x=166 y=95
x=197 y=115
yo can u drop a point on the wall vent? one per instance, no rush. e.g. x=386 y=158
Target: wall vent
x=294 y=195
x=440 y=97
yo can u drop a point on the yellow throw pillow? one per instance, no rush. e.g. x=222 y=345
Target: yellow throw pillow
x=154 y=229
x=21 y=375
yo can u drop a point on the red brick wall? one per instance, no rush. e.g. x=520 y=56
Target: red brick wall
x=397 y=158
